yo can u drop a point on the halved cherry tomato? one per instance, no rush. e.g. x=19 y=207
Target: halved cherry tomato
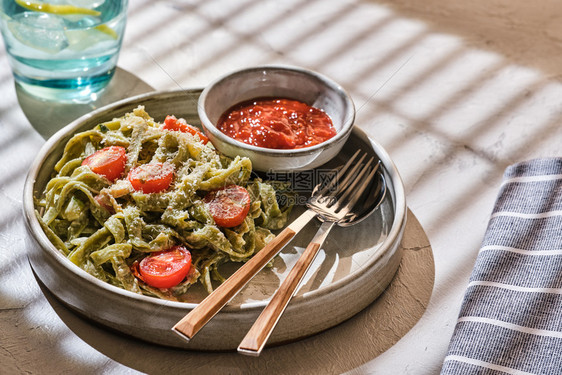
x=167 y=268
x=152 y=177
x=172 y=123
x=228 y=205
x=108 y=162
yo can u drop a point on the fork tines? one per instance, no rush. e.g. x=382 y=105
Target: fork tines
x=351 y=181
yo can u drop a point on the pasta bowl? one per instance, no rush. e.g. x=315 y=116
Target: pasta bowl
x=288 y=82
x=351 y=271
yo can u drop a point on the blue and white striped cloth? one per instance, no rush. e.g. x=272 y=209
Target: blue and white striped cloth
x=511 y=316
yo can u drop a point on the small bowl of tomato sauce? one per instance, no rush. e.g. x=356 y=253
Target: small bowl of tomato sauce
x=282 y=118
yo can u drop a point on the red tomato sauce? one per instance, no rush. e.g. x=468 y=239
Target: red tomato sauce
x=277 y=123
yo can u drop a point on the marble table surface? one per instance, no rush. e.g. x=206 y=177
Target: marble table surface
x=455 y=91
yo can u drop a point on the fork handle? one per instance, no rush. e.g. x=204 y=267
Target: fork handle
x=211 y=305
x=257 y=336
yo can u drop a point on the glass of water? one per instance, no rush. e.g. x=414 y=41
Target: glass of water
x=63 y=50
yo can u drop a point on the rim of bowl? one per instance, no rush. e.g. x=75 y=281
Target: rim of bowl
x=40 y=237
x=347 y=125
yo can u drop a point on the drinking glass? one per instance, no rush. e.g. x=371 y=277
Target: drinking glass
x=63 y=50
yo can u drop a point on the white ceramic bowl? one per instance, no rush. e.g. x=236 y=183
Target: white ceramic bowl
x=277 y=82
x=353 y=268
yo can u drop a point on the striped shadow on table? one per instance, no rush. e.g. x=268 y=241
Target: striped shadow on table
x=511 y=316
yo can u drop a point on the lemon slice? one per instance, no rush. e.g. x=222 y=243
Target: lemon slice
x=107 y=30
x=56 y=9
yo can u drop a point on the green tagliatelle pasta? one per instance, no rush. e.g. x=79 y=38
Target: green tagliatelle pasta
x=104 y=227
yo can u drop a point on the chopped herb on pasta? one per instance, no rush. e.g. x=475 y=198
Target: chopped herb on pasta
x=153 y=208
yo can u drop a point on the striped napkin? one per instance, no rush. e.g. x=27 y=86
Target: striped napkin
x=511 y=316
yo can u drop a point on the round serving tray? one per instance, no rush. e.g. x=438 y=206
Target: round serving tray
x=354 y=267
